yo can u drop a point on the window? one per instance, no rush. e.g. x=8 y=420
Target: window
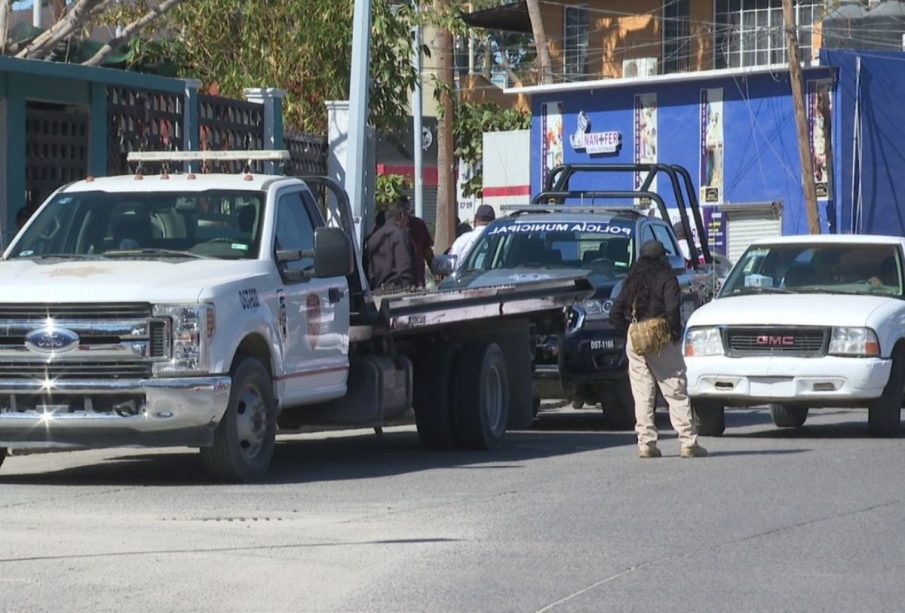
x=663 y=235
x=575 y=56
x=750 y=32
x=295 y=229
x=676 y=36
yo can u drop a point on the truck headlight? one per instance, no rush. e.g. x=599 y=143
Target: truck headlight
x=597 y=309
x=192 y=330
x=703 y=342
x=854 y=342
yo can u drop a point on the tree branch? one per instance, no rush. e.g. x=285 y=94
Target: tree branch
x=4 y=16
x=130 y=30
x=75 y=17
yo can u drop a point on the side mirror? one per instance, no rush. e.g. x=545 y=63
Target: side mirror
x=677 y=263
x=444 y=264
x=333 y=254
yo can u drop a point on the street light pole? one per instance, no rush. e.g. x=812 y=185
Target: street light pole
x=358 y=116
x=416 y=118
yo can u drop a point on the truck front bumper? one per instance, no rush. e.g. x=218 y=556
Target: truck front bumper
x=112 y=412
x=757 y=380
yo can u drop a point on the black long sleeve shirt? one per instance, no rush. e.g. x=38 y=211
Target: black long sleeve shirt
x=664 y=302
x=391 y=258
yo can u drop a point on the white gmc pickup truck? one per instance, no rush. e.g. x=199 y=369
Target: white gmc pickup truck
x=803 y=322
x=214 y=310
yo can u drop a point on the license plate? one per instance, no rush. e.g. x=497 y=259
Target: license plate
x=603 y=344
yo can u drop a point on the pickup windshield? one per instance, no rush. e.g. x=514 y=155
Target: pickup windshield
x=604 y=247
x=817 y=268
x=215 y=224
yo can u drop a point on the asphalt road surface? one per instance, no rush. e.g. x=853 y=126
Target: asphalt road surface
x=563 y=517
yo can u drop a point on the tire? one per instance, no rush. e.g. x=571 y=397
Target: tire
x=708 y=417
x=480 y=397
x=885 y=413
x=431 y=398
x=2 y=455
x=245 y=438
x=619 y=405
x=788 y=415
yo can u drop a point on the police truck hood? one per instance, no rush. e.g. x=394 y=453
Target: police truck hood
x=509 y=276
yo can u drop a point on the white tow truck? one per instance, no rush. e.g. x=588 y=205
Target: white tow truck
x=216 y=310
x=803 y=322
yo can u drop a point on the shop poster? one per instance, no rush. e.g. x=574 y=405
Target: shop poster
x=712 y=169
x=645 y=136
x=552 y=135
x=820 y=111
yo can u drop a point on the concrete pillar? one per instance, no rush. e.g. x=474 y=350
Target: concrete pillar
x=190 y=114
x=272 y=99
x=338 y=159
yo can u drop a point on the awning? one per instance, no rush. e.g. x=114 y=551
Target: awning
x=512 y=17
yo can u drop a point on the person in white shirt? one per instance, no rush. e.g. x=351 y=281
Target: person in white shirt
x=462 y=245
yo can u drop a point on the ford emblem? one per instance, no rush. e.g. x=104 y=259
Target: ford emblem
x=51 y=340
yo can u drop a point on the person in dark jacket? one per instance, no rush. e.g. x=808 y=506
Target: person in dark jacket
x=422 y=242
x=391 y=257
x=651 y=289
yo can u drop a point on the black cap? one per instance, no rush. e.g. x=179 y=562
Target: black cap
x=653 y=249
x=485 y=212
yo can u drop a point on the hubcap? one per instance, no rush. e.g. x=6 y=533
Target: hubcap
x=251 y=420
x=493 y=399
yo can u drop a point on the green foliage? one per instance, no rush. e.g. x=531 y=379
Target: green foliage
x=472 y=120
x=302 y=46
x=388 y=188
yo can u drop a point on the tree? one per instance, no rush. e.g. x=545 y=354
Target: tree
x=73 y=18
x=540 y=41
x=302 y=46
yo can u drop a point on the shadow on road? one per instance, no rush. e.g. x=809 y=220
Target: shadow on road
x=306 y=458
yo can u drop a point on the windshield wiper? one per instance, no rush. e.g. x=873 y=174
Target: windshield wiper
x=165 y=252
x=759 y=290
x=61 y=256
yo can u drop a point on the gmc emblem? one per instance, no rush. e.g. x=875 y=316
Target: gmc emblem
x=773 y=341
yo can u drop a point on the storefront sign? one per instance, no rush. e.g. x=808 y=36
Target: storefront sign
x=820 y=112
x=551 y=138
x=594 y=142
x=711 y=171
x=645 y=136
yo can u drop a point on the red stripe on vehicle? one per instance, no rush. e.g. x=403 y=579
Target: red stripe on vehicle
x=507 y=190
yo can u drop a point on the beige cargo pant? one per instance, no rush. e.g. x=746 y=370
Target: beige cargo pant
x=668 y=371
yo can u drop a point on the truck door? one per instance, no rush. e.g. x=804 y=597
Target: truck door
x=313 y=313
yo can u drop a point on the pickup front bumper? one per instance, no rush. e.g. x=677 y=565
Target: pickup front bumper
x=826 y=380
x=112 y=412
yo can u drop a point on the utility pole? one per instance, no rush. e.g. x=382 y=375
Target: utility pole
x=417 y=112
x=358 y=118
x=445 y=232
x=801 y=121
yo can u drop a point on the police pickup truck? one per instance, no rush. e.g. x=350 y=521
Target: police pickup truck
x=803 y=322
x=215 y=310
x=585 y=364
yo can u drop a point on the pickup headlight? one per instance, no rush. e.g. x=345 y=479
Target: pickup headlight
x=192 y=330
x=854 y=342
x=588 y=310
x=703 y=342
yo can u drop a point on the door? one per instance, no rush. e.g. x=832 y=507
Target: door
x=314 y=313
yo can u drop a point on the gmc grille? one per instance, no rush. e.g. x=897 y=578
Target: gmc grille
x=797 y=341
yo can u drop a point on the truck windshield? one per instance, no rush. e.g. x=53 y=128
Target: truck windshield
x=604 y=247
x=212 y=224
x=817 y=268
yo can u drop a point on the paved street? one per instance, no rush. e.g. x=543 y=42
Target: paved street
x=563 y=518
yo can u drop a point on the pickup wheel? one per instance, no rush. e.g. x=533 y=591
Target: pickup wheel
x=788 y=415
x=885 y=413
x=245 y=438
x=619 y=405
x=431 y=398
x=480 y=396
x=708 y=417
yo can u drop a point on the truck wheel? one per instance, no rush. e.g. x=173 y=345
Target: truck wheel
x=480 y=396
x=885 y=413
x=708 y=417
x=2 y=455
x=619 y=405
x=788 y=415
x=245 y=438
x=431 y=398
